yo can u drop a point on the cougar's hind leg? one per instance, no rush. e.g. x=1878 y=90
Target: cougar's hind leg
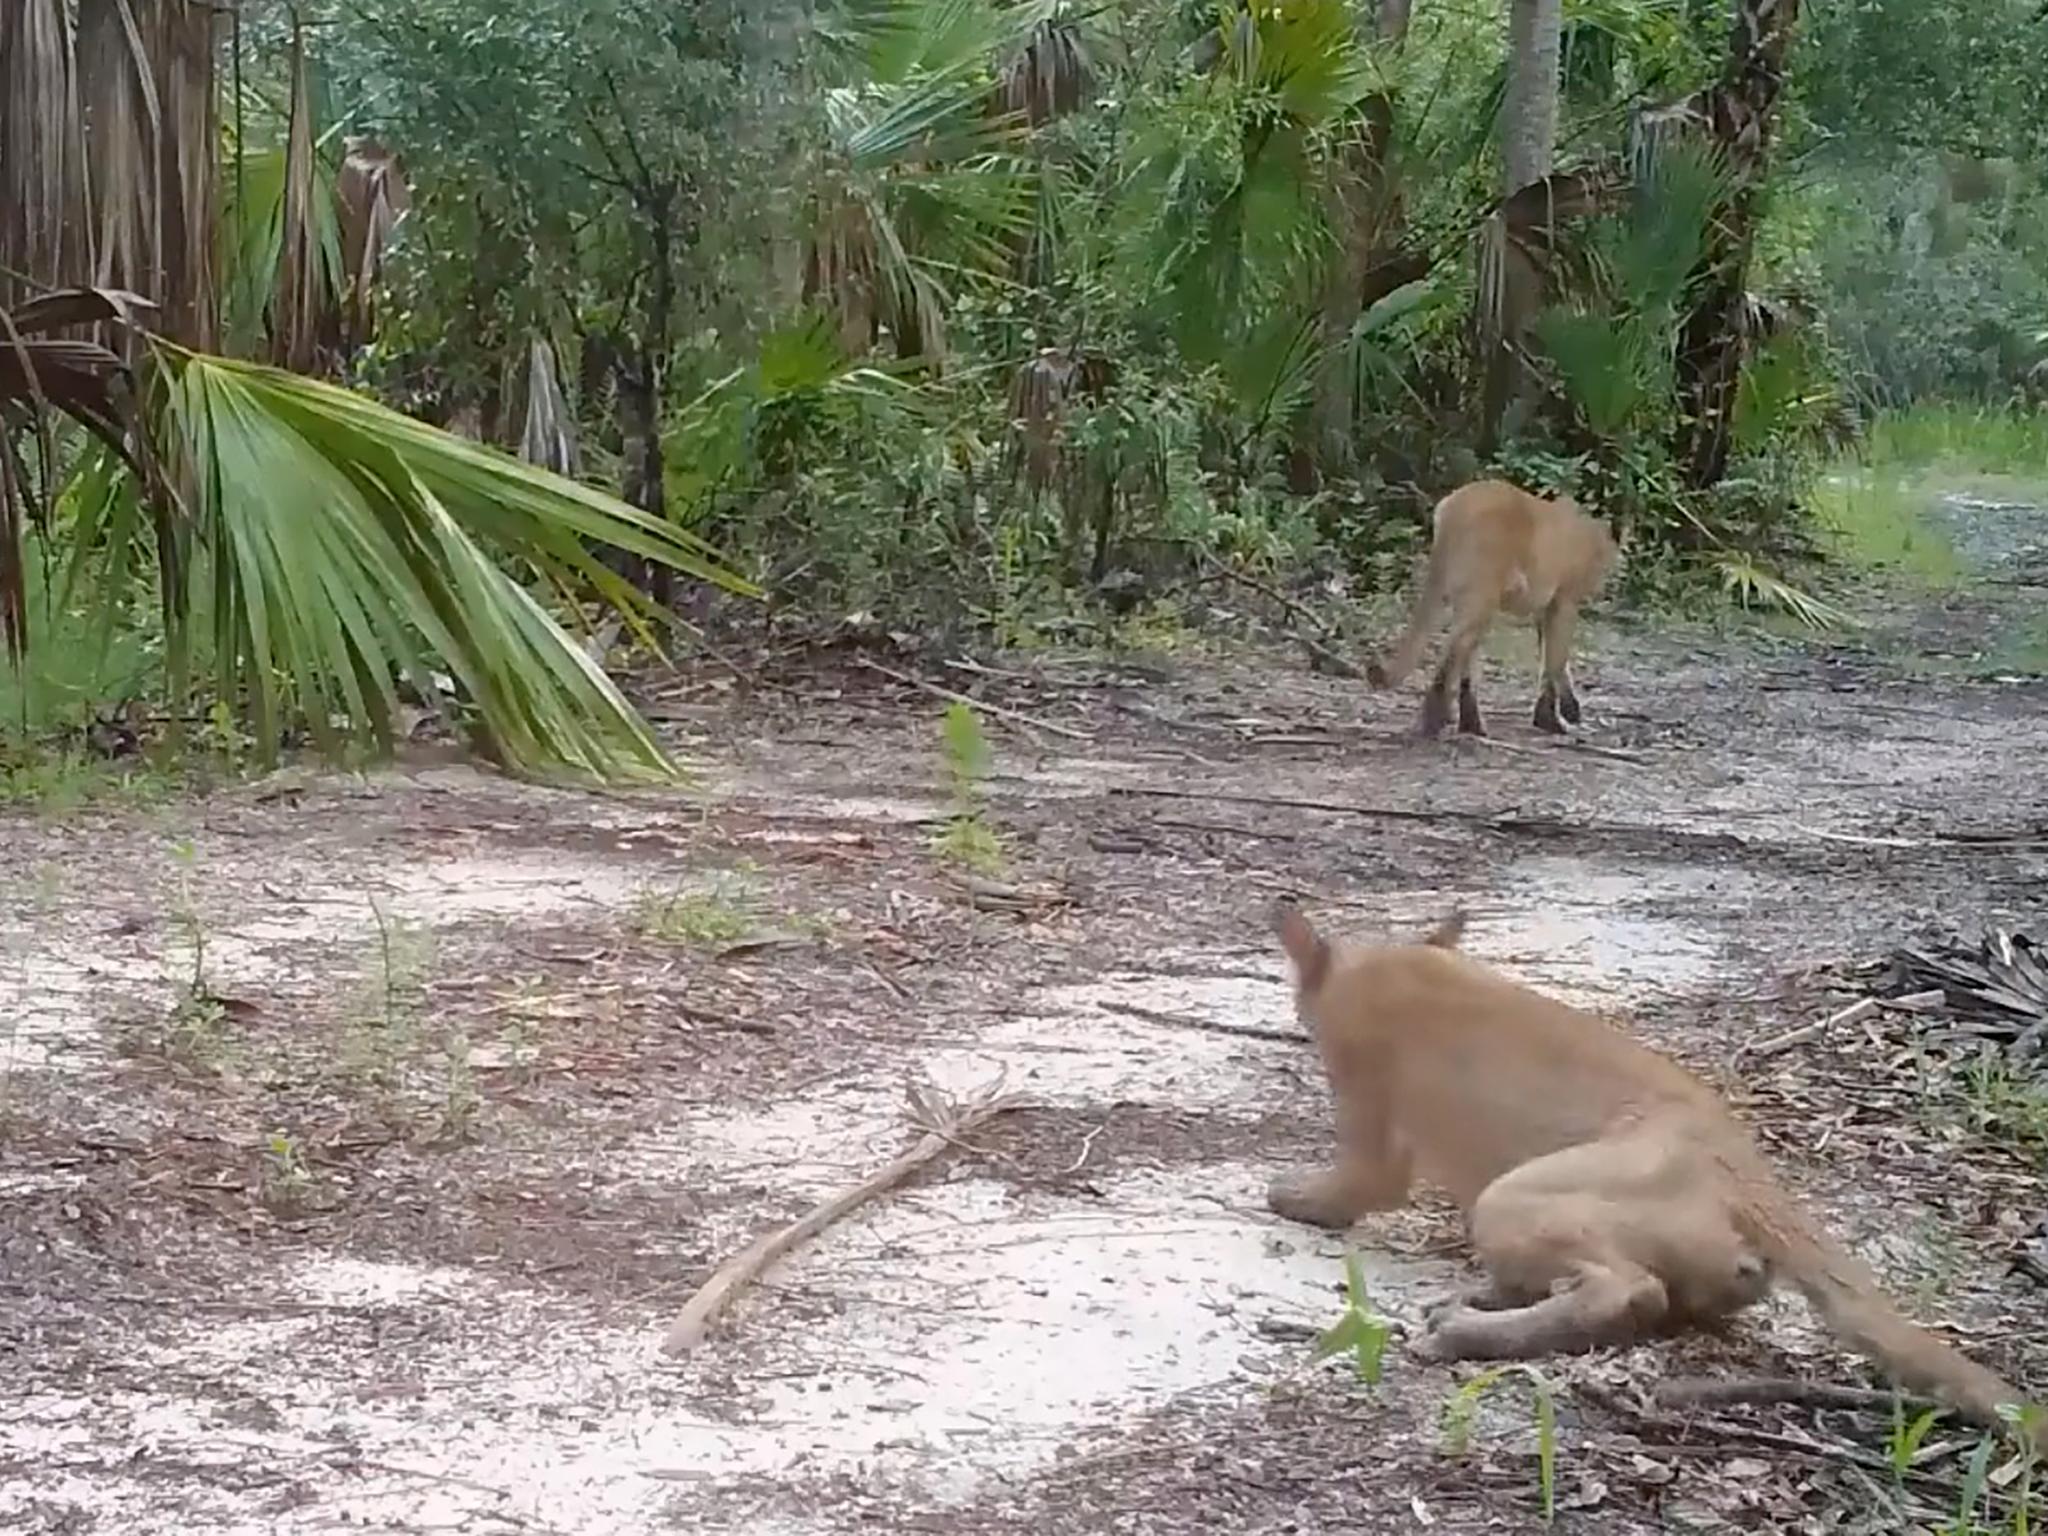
x=1557 y=704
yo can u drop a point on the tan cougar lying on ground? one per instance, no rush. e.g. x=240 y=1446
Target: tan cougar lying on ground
x=1494 y=547
x=1610 y=1194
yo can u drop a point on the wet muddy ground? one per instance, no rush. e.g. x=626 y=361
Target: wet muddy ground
x=362 y=1135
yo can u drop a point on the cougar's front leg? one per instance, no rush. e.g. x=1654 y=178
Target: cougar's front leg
x=1374 y=1167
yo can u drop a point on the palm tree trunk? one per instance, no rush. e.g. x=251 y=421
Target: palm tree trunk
x=1740 y=112
x=1528 y=110
x=1511 y=289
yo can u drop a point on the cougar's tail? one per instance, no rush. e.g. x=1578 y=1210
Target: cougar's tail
x=1846 y=1294
x=1401 y=660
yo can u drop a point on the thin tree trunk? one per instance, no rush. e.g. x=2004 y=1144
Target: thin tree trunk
x=1528 y=109
x=639 y=406
x=1741 y=112
x=1511 y=290
x=1392 y=22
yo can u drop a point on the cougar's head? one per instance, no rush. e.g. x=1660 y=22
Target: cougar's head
x=1315 y=958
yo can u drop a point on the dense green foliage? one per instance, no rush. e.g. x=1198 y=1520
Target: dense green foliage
x=982 y=312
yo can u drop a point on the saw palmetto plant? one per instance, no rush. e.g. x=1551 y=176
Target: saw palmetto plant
x=331 y=545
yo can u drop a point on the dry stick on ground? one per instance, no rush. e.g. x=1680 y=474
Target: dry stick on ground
x=1016 y=716
x=1568 y=744
x=946 y=1125
x=1707 y=1392
x=1210 y=1026
x=1855 y=1013
x=1309 y=643
x=1541 y=826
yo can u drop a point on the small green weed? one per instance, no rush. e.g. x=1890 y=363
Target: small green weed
x=196 y=1029
x=1361 y=1331
x=387 y=1018
x=967 y=839
x=705 y=918
x=1906 y=1439
x=287 y=1182
x=1463 y=1405
x=2004 y=1104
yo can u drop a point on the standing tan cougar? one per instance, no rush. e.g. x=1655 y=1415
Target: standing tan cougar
x=1495 y=547
x=1610 y=1194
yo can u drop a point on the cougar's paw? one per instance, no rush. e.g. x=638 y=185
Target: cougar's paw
x=1436 y=1313
x=1470 y=721
x=1314 y=1202
x=1436 y=713
x=1432 y=1343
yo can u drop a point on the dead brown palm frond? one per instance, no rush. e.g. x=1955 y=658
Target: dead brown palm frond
x=1038 y=398
x=142 y=189
x=298 y=303
x=548 y=433
x=371 y=197
x=1048 y=77
x=42 y=374
x=41 y=149
x=839 y=269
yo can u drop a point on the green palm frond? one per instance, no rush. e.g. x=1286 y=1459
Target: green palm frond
x=894 y=42
x=1301 y=54
x=1782 y=395
x=1601 y=362
x=1382 y=349
x=1660 y=241
x=1271 y=372
x=338 y=545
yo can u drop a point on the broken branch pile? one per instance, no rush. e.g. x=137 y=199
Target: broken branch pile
x=1995 y=991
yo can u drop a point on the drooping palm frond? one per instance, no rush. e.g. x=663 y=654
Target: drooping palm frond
x=147 y=183
x=372 y=199
x=1051 y=75
x=341 y=545
x=1381 y=349
x=45 y=375
x=41 y=147
x=1751 y=586
x=547 y=430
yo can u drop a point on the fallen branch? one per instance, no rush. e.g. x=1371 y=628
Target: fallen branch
x=1566 y=744
x=1015 y=716
x=1707 y=1392
x=1340 y=665
x=1503 y=821
x=1208 y=1026
x=945 y=1125
x=1855 y=1013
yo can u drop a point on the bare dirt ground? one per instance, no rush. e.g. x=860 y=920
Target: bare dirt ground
x=361 y=1135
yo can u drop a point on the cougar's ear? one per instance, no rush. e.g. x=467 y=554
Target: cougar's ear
x=1309 y=951
x=1446 y=934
